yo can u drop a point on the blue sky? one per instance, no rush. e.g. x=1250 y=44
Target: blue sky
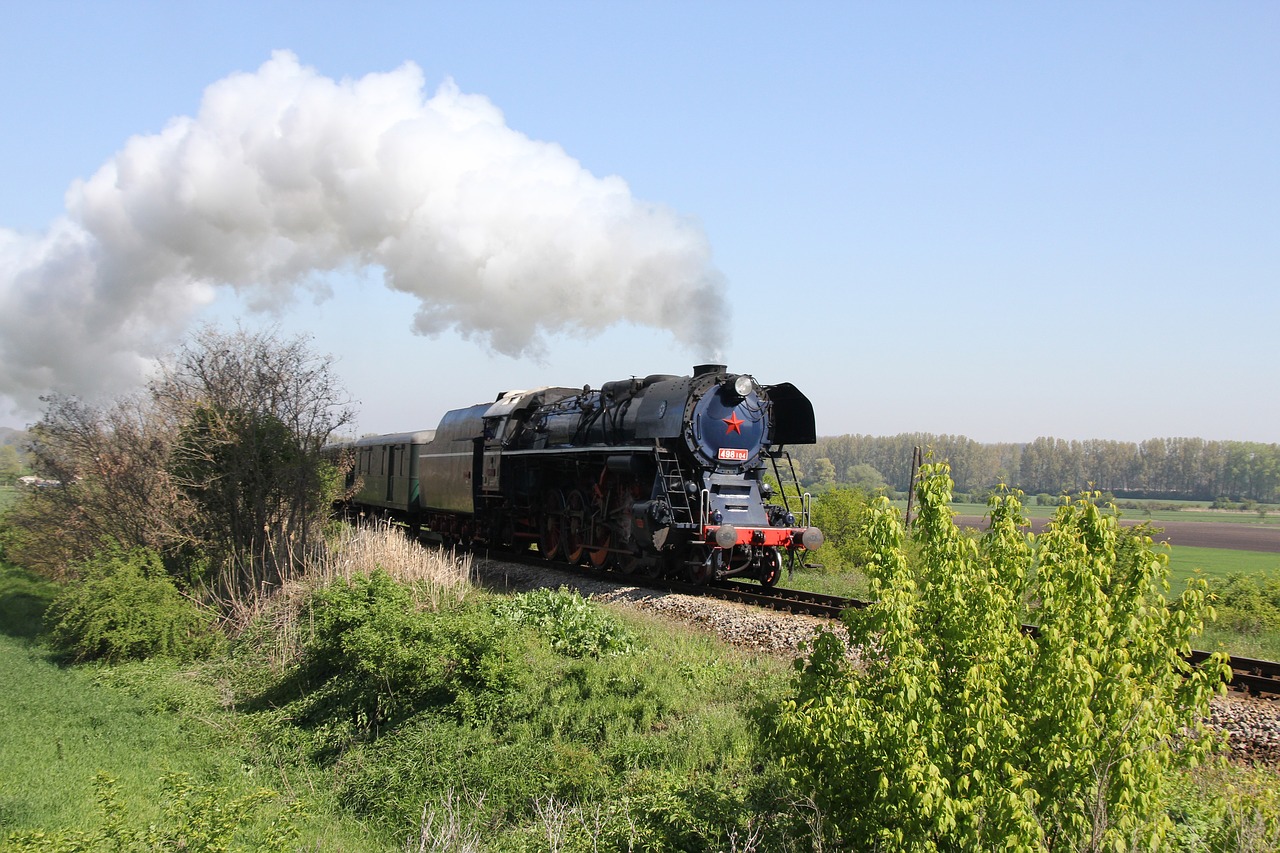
x=997 y=220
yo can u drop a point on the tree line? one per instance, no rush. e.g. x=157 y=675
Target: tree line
x=1158 y=468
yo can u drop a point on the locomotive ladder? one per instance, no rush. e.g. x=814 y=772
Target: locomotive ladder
x=673 y=482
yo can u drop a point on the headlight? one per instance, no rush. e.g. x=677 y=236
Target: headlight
x=743 y=385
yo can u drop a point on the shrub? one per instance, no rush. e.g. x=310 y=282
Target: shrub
x=125 y=607
x=374 y=657
x=573 y=626
x=963 y=731
x=841 y=513
x=1247 y=605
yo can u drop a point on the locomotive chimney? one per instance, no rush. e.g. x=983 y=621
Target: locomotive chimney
x=702 y=369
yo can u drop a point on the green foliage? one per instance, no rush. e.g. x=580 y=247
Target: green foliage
x=964 y=732
x=125 y=607
x=651 y=744
x=842 y=515
x=11 y=467
x=572 y=626
x=253 y=487
x=375 y=658
x=1248 y=604
x=196 y=818
x=1231 y=809
x=819 y=474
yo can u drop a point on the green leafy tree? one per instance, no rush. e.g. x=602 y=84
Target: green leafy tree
x=865 y=478
x=820 y=474
x=961 y=731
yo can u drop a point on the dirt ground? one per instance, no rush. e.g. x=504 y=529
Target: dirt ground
x=1190 y=534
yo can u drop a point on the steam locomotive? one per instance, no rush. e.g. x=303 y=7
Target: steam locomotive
x=660 y=476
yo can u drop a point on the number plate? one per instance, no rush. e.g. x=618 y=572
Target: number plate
x=733 y=454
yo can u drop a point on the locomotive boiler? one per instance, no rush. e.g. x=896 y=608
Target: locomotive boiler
x=664 y=475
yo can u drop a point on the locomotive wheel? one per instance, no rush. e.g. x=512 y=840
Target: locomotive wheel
x=705 y=570
x=551 y=535
x=770 y=568
x=600 y=553
x=576 y=527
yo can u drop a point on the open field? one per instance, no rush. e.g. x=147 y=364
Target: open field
x=1180 y=534
x=1192 y=512
x=1185 y=561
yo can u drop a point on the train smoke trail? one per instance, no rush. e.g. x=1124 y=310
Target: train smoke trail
x=284 y=175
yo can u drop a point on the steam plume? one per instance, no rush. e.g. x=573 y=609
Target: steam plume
x=285 y=174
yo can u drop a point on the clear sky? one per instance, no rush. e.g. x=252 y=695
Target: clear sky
x=1002 y=220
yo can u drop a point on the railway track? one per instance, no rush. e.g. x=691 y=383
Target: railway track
x=1257 y=677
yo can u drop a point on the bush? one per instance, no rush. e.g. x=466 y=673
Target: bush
x=841 y=514
x=572 y=626
x=375 y=658
x=964 y=732
x=125 y=607
x=1247 y=605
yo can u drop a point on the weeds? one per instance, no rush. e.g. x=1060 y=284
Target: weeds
x=195 y=818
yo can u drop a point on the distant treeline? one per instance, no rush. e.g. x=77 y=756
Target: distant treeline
x=1160 y=468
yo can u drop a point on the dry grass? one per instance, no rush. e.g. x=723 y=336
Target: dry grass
x=434 y=574
x=435 y=577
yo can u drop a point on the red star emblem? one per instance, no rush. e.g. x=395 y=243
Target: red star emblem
x=734 y=423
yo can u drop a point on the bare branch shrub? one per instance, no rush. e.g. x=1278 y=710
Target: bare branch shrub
x=109 y=466
x=253 y=412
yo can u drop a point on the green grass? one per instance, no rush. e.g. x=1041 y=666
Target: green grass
x=625 y=735
x=1184 y=563
x=1218 y=563
x=62 y=726
x=658 y=738
x=8 y=494
x=655 y=742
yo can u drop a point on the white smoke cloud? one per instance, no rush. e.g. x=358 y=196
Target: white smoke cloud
x=285 y=174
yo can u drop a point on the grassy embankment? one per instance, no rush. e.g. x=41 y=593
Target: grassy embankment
x=63 y=726
x=650 y=747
